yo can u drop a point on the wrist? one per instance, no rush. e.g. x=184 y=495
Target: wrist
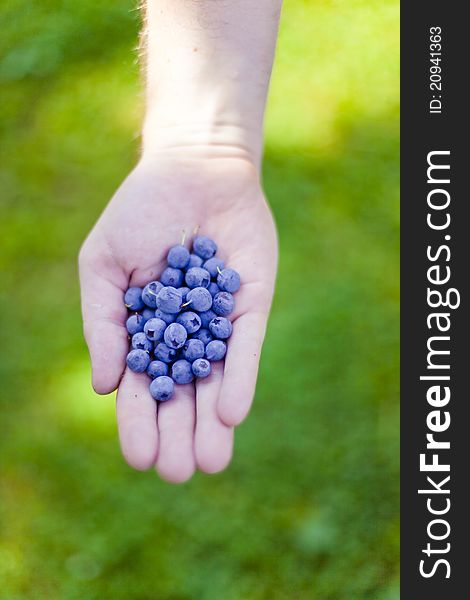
x=209 y=131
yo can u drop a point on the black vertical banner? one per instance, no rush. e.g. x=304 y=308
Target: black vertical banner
x=435 y=309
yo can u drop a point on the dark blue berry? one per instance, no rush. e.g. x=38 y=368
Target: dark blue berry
x=214 y=265
x=201 y=367
x=134 y=324
x=204 y=335
x=178 y=257
x=133 y=299
x=149 y=293
x=163 y=353
x=204 y=247
x=221 y=328
x=175 y=336
x=199 y=299
x=197 y=277
x=173 y=277
x=223 y=304
x=141 y=342
x=162 y=388
x=190 y=321
x=193 y=349
x=154 y=329
x=216 y=350
x=181 y=372
x=157 y=368
x=228 y=280
x=194 y=261
x=138 y=360
x=169 y=300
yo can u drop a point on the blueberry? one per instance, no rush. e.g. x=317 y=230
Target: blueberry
x=178 y=257
x=141 y=342
x=190 y=321
x=201 y=367
x=184 y=292
x=133 y=299
x=221 y=328
x=149 y=293
x=194 y=261
x=167 y=317
x=223 y=304
x=200 y=299
x=169 y=300
x=213 y=265
x=134 y=324
x=148 y=313
x=193 y=349
x=175 y=335
x=228 y=280
x=206 y=317
x=213 y=288
x=163 y=353
x=197 y=277
x=216 y=350
x=181 y=372
x=154 y=329
x=204 y=335
x=138 y=360
x=157 y=368
x=204 y=247
x=162 y=388
x=173 y=277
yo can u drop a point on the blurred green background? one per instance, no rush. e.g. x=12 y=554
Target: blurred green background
x=309 y=507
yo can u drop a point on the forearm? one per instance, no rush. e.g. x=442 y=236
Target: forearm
x=208 y=65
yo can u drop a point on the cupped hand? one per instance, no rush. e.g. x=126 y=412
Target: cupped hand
x=159 y=200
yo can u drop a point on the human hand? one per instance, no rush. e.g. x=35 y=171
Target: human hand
x=162 y=197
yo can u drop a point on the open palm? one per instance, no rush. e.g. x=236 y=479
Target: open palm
x=128 y=245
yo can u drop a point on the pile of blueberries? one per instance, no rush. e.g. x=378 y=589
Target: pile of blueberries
x=179 y=324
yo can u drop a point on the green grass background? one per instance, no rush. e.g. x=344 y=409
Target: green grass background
x=309 y=507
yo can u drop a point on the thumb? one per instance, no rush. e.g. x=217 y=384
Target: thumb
x=102 y=285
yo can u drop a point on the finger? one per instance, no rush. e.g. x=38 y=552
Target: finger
x=137 y=421
x=175 y=462
x=241 y=367
x=104 y=315
x=213 y=439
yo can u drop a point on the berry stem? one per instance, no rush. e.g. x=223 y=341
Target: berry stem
x=183 y=239
x=186 y=304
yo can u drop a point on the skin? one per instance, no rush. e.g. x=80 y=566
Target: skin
x=196 y=170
